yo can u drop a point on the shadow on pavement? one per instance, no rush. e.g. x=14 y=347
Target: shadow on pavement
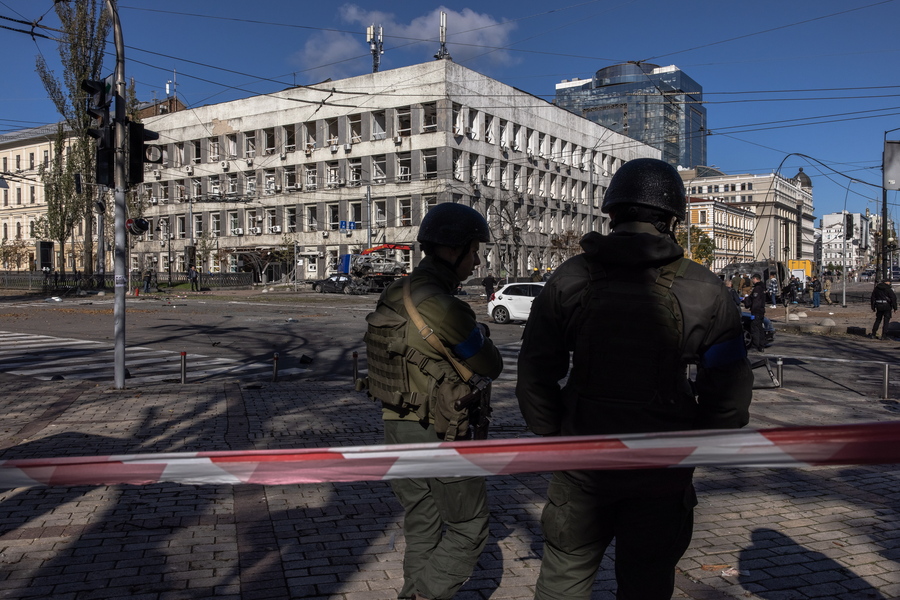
x=825 y=577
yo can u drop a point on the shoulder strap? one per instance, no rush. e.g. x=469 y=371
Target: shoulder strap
x=668 y=273
x=429 y=336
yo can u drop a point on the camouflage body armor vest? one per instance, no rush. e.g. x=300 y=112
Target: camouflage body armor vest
x=405 y=379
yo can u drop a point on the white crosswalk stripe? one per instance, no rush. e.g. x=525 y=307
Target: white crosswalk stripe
x=45 y=357
x=510 y=354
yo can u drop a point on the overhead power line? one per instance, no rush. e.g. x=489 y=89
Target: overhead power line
x=747 y=35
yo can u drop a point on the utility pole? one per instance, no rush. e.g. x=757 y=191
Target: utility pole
x=121 y=279
x=369 y=204
x=847 y=234
x=890 y=174
x=590 y=226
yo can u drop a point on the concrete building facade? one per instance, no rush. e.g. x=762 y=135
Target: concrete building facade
x=730 y=226
x=856 y=252
x=783 y=209
x=660 y=106
x=338 y=167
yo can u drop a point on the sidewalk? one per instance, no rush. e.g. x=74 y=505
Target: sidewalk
x=760 y=533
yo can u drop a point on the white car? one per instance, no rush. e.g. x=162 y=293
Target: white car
x=513 y=301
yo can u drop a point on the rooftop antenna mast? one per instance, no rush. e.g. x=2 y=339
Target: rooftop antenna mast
x=443 y=54
x=172 y=83
x=376 y=45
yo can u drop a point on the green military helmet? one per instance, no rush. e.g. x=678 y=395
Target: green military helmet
x=451 y=224
x=646 y=182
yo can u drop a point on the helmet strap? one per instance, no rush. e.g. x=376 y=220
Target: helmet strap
x=436 y=256
x=663 y=222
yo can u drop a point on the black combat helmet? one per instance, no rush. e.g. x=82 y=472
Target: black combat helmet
x=647 y=182
x=451 y=224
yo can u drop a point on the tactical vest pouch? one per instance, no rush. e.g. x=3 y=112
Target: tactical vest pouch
x=437 y=404
x=388 y=379
x=447 y=379
x=630 y=343
x=449 y=423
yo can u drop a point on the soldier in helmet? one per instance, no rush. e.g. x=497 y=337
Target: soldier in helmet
x=633 y=313
x=446 y=520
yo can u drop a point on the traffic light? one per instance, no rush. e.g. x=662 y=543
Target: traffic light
x=98 y=102
x=106 y=155
x=848 y=227
x=140 y=152
x=137 y=226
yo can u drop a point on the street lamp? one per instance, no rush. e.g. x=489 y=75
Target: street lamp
x=164 y=225
x=602 y=139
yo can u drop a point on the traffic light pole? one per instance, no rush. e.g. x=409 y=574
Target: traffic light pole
x=121 y=275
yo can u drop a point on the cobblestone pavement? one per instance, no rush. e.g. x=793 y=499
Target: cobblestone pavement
x=771 y=534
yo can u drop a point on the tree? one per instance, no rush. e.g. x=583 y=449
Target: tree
x=14 y=251
x=506 y=224
x=206 y=246
x=85 y=27
x=566 y=245
x=59 y=187
x=702 y=248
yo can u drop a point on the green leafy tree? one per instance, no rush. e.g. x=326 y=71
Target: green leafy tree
x=58 y=178
x=85 y=27
x=702 y=248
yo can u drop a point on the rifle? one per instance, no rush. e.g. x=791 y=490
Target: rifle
x=478 y=403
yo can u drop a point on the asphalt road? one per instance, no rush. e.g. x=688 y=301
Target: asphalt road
x=239 y=325
x=320 y=332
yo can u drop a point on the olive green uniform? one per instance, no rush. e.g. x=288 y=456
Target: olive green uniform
x=446 y=519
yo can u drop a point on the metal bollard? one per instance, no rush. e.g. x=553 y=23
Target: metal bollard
x=779 y=370
x=355 y=366
x=275 y=367
x=885 y=393
x=183 y=367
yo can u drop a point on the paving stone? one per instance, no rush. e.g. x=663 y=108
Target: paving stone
x=344 y=541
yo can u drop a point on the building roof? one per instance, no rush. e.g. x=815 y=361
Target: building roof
x=803 y=179
x=29 y=133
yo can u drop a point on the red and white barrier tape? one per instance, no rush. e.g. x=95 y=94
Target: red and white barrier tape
x=875 y=443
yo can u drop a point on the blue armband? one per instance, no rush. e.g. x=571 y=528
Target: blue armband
x=724 y=353
x=470 y=346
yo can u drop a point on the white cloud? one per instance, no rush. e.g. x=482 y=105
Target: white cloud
x=470 y=35
x=330 y=55
x=471 y=40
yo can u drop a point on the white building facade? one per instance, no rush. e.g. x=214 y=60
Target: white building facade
x=338 y=167
x=855 y=251
x=729 y=226
x=22 y=154
x=784 y=225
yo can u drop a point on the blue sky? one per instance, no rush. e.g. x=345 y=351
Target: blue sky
x=817 y=78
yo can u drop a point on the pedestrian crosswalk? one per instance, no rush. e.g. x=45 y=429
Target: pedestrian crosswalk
x=47 y=357
x=510 y=354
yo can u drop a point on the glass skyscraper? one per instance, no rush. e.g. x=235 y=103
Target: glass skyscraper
x=660 y=106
